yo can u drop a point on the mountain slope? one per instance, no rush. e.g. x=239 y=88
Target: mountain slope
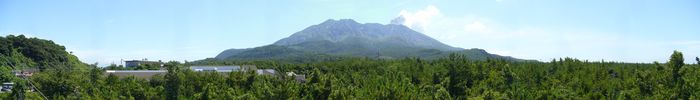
x=347 y=38
x=230 y=52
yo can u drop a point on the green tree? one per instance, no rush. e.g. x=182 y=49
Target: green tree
x=173 y=81
x=95 y=76
x=6 y=74
x=18 y=91
x=676 y=62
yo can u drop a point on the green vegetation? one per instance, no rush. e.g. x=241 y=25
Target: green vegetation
x=451 y=77
x=36 y=53
x=60 y=69
x=280 y=53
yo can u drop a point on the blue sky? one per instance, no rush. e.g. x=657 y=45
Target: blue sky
x=106 y=31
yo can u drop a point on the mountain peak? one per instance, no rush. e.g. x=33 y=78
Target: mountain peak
x=370 y=36
x=340 y=21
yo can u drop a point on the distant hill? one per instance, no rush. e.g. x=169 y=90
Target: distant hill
x=348 y=38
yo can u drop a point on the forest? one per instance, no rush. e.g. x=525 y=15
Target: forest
x=62 y=76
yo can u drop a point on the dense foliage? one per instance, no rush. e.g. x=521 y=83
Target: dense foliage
x=34 y=53
x=451 y=77
x=22 y=53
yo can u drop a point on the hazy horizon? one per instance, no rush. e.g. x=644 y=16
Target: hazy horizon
x=107 y=31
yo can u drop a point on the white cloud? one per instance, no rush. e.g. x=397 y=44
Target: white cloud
x=419 y=19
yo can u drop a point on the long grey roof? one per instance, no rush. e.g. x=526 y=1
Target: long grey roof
x=216 y=68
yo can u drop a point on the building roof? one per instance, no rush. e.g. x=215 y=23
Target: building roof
x=148 y=73
x=137 y=73
x=142 y=61
x=216 y=68
x=300 y=78
x=266 y=71
x=297 y=77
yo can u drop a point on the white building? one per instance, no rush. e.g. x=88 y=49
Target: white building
x=222 y=68
x=266 y=72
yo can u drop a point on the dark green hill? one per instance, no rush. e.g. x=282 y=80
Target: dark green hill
x=35 y=53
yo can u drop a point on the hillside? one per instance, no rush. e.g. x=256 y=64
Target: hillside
x=38 y=53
